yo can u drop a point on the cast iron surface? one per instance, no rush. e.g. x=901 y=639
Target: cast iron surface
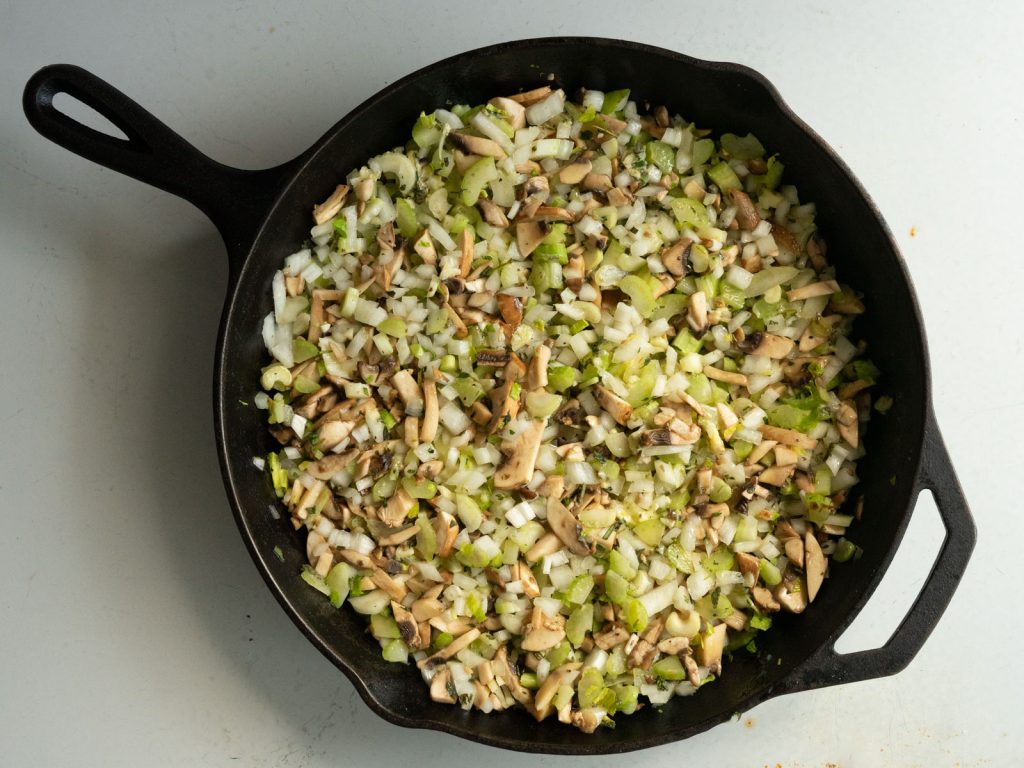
x=262 y=215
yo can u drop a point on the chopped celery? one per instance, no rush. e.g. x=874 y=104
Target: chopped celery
x=384 y=627
x=770 y=575
x=650 y=531
x=614 y=101
x=742 y=147
x=302 y=350
x=581 y=621
x=393 y=326
x=723 y=176
x=669 y=668
x=640 y=293
x=703 y=149
x=479 y=175
x=662 y=155
x=616 y=588
x=578 y=590
x=276 y=376
x=541 y=404
x=561 y=377
x=636 y=616
x=721 y=559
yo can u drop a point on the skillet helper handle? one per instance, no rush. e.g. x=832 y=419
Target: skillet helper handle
x=236 y=200
x=936 y=474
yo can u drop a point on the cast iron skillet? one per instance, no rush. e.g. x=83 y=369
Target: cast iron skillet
x=262 y=215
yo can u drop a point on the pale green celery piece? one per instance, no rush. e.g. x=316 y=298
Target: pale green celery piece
x=541 y=404
x=304 y=350
x=669 y=668
x=636 y=616
x=650 y=531
x=312 y=578
x=580 y=622
x=406 y=219
x=768 y=278
x=419 y=487
x=723 y=176
x=742 y=147
x=481 y=173
x=349 y=303
x=469 y=511
x=614 y=101
x=395 y=651
x=339 y=580
x=616 y=587
x=276 y=376
x=640 y=294
x=769 y=573
x=579 y=589
x=618 y=563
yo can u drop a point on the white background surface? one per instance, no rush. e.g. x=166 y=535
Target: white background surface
x=134 y=629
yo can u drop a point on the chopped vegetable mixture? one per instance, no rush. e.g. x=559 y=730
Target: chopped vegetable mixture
x=567 y=402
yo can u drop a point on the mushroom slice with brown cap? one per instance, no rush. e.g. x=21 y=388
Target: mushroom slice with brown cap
x=407 y=626
x=610 y=636
x=332 y=433
x=476 y=145
x=511 y=309
x=440 y=686
x=619 y=409
x=674 y=257
x=526 y=98
x=521 y=457
x=597 y=182
x=776 y=475
x=456 y=645
x=746 y=212
x=788 y=437
x=547 y=544
x=748 y=565
x=784 y=238
x=764 y=600
x=587 y=720
x=710 y=652
x=522 y=573
x=543 y=632
x=332 y=464
x=566 y=527
x=330 y=207
x=506 y=674
x=847 y=421
x=815 y=564
x=764 y=344
x=726 y=377
x=492 y=213
x=529 y=234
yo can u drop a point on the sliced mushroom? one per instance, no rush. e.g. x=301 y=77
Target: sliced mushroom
x=784 y=239
x=529 y=234
x=397 y=510
x=424 y=247
x=466 y=260
x=697 y=312
x=587 y=720
x=692 y=673
x=476 y=145
x=514 y=111
x=618 y=197
x=407 y=626
x=492 y=213
x=674 y=646
x=823 y=288
x=506 y=674
x=526 y=98
x=547 y=544
x=816 y=252
x=726 y=377
x=428 y=429
x=764 y=600
x=815 y=564
x=597 y=182
x=766 y=345
x=445 y=530
x=332 y=433
x=330 y=465
x=397 y=536
x=575 y=172
x=426 y=608
x=746 y=212
x=552 y=487
x=566 y=527
x=791 y=594
x=710 y=652
x=748 y=565
x=785 y=456
x=521 y=459
x=818 y=332
x=456 y=645
x=537 y=373
x=522 y=573
x=543 y=632
x=610 y=636
x=440 y=686
x=776 y=475
x=674 y=257
x=407 y=388
x=619 y=409
x=788 y=437
x=846 y=418
x=794 y=549
x=504 y=406
x=330 y=207
x=564 y=675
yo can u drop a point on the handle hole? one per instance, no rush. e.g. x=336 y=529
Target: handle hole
x=71 y=107
x=902 y=581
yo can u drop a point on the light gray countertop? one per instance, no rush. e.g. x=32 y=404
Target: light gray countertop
x=134 y=629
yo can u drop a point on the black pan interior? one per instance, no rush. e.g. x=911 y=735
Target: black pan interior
x=721 y=97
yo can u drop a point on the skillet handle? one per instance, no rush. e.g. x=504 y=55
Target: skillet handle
x=826 y=667
x=236 y=200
